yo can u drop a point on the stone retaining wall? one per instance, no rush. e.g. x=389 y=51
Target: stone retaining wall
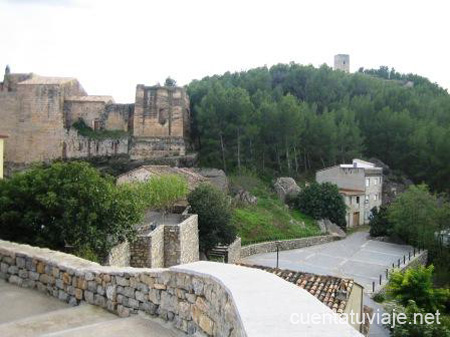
x=234 y=251
x=191 y=303
x=271 y=246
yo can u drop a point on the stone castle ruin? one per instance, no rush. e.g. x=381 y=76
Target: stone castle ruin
x=44 y=118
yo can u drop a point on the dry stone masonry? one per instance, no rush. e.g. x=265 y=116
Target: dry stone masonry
x=191 y=303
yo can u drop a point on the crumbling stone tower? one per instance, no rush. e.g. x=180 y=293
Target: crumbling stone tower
x=342 y=62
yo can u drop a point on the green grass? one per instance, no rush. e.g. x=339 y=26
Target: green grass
x=270 y=219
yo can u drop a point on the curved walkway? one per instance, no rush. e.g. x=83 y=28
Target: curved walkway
x=268 y=306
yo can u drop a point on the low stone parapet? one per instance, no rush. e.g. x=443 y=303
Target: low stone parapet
x=271 y=246
x=192 y=303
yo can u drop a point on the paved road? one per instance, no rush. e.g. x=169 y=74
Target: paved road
x=355 y=257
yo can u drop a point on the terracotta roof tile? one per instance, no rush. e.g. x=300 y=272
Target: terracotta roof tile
x=330 y=290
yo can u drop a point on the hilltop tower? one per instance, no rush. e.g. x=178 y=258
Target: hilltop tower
x=342 y=62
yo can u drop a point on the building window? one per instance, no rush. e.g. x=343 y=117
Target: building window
x=357 y=200
x=375 y=197
x=375 y=180
x=367 y=182
x=367 y=199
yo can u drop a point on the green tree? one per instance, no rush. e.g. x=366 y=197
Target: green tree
x=67 y=204
x=323 y=201
x=414 y=326
x=214 y=216
x=379 y=222
x=417 y=284
x=170 y=82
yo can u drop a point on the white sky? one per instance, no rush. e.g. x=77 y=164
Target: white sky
x=111 y=46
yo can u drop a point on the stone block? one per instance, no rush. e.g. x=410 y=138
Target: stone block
x=23 y=273
x=133 y=303
x=14 y=279
x=78 y=294
x=20 y=262
x=121 y=281
x=89 y=296
x=122 y=311
x=100 y=300
x=40 y=267
x=13 y=270
x=111 y=292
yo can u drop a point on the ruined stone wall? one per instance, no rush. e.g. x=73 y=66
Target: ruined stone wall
x=85 y=110
x=140 y=250
x=234 y=251
x=192 y=303
x=77 y=146
x=189 y=242
x=117 y=117
x=172 y=246
x=119 y=256
x=157 y=248
x=160 y=112
x=9 y=123
x=157 y=147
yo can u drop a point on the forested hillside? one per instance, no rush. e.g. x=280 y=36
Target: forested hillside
x=293 y=119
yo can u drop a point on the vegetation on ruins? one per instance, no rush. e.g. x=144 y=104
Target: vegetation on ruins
x=295 y=119
x=214 y=216
x=269 y=219
x=160 y=193
x=86 y=131
x=323 y=201
x=170 y=82
x=67 y=206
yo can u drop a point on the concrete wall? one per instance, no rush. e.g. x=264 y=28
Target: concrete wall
x=355 y=303
x=190 y=302
x=269 y=247
x=349 y=178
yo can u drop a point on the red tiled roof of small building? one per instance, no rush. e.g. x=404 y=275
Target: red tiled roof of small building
x=330 y=290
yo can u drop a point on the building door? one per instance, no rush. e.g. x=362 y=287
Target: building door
x=355 y=219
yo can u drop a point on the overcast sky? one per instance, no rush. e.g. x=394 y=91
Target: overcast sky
x=111 y=46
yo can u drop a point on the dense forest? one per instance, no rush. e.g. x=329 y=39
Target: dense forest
x=295 y=119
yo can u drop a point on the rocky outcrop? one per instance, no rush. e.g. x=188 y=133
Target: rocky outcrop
x=216 y=177
x=326 y=226
x=286 y=188
x=245 y=197
x=394 y=183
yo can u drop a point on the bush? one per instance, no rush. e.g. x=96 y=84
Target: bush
x=413 y=327
x=67 y=204
x=323 y=201
x=379 y=222
x=417 y=284
x=214 y=216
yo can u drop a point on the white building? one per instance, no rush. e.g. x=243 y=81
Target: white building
x=360 y=183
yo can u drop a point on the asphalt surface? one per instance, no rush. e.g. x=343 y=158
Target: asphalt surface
x=355 y=257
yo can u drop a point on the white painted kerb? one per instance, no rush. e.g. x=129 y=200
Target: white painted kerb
x=265 y=302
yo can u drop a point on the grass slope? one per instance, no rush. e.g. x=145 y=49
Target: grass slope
x=270 y=219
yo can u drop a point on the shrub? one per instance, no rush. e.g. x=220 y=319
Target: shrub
x=323 y=201
x=67 y=204
x=214 y=216
x=379 y=222
x=417 y=284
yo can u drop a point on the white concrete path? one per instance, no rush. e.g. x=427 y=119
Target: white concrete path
x=270 y=306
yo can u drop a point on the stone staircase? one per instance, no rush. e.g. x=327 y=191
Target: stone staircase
x=26 y=312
